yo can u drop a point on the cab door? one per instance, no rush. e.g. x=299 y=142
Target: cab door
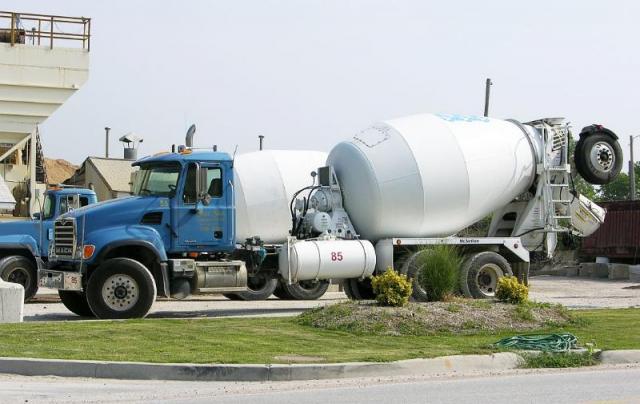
x=204 y=222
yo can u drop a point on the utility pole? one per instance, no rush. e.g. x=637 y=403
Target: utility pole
x=261 y=137
x=106 y=141
x=632 y=171
x=487 y=93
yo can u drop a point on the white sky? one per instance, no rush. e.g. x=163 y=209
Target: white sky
x=307 y=74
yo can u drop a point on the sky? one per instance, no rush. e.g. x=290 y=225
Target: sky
x=308 y=73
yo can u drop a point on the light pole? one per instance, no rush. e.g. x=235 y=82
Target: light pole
x=632 y=171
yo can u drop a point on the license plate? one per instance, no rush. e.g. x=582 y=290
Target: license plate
x=61 y=280
x=52 y=280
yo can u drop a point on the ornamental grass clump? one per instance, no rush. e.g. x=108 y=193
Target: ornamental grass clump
x=439 y=269
x=391 y=288
x=510 y=290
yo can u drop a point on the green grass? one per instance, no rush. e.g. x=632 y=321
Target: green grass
x=560 y=360
x=261 y=340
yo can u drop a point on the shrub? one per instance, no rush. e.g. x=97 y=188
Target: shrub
x=439 y=269
x=510 y=290
x=391 y=288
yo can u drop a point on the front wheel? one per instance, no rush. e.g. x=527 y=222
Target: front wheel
x=480 y=273
x=21 y=270
x=121 y=288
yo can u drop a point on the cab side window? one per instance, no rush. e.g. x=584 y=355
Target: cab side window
x=214 y=179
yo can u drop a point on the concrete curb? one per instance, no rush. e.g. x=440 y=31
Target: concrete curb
x=200 y=372
x=619 y=357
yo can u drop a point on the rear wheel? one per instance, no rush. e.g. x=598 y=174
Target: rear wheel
x=21 y=270
x=259 y=288
x=303 y=290
x=76 y=302
x=357 y=289
x=121 y=288
x=411 y=268
x=480 y=273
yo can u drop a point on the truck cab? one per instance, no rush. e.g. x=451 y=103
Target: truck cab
x=24 y=244
x=174 y=236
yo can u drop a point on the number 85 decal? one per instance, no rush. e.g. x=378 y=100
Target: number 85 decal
x=336 y=256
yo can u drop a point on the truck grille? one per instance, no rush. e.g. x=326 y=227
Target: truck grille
x=64 y=238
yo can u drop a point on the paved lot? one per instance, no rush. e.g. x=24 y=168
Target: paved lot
x=617 y=384
x=571 y=292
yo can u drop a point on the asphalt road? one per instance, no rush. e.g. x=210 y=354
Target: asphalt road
x=572 y=292
x=594 y=385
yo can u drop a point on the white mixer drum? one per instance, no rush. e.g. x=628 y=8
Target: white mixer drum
x=431 y=175
x=265 y=182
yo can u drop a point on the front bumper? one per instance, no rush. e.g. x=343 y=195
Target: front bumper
x=61 y=280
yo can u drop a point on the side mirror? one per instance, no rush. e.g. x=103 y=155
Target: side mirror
x=202 y=187
x=36 y=216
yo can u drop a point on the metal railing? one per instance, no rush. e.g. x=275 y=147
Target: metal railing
x=42 y=30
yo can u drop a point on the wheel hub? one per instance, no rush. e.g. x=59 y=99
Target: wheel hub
x=20 y=276
x=602 y=156
x=120 y=292
x=487 y=279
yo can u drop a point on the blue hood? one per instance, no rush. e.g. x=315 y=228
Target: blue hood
x=20 y=227
x=121 y=211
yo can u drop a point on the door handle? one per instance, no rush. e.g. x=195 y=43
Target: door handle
x=217 y=234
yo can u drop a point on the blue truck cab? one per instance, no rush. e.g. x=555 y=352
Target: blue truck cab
x=24 y=244
x=175 y=236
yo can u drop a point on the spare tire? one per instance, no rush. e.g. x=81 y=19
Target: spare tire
x=598 y=156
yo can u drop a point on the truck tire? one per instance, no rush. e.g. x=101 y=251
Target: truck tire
x=357 y=289
x=21 y=270
x=411 y=268
x=598 y=158
x=259 y=288
x=76 y=302
x=121 y=288
x=303 y=290
x=480 y=273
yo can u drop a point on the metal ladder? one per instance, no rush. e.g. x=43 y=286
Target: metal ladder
x=558 y=190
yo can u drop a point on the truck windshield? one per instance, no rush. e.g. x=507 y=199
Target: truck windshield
x=49 y=208
x=159 y=180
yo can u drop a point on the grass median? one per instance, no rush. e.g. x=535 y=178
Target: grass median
x=274 y=340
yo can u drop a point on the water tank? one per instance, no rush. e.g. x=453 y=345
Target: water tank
x=265 y=182
x=431 y=175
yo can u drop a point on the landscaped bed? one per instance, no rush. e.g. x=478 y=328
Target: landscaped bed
x=460 y=316
x=282 y=340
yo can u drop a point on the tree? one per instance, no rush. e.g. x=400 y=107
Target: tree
x=618 y=189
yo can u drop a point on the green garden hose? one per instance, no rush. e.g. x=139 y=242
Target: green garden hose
x=544 y=342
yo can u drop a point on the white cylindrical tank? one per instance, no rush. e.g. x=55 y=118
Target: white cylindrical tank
x=326 y=259
x=431 y=175
x=265 y=182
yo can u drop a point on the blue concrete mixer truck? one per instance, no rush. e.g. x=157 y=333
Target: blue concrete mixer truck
x=24 y=244
x=202 y=221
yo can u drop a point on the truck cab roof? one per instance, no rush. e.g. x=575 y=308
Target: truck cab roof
x=192 y=155
x=71 y=191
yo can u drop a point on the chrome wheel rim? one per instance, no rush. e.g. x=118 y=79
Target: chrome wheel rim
x=487 y=279
x=120 y=292
x=602 y=157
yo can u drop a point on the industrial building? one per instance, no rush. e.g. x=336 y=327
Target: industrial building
x=44 y=60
